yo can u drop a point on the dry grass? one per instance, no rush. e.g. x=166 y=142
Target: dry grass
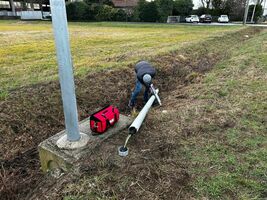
x=27 y=54
x=208 y=141
x=192 y=151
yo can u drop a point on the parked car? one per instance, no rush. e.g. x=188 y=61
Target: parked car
x=47 y=16
x=192 y=19
x=223 y=19
x=205 y=18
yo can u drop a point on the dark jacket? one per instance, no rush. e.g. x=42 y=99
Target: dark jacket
x=143 y=68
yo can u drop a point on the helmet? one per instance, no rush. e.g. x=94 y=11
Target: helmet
x=147 y=79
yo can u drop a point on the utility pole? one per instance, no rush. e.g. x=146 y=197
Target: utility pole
x=246 y=13
x=264 y=6
x=254 y=9
x=59 y=20
x=12 y=5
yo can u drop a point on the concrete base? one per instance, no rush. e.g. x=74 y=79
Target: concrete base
x=52 y=157
x=64 y=143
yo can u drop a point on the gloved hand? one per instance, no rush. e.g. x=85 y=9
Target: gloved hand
x=154 y=92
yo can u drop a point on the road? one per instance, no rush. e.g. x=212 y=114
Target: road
x=224 y=24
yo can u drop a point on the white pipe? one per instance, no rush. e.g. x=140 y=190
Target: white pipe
x=134 y=128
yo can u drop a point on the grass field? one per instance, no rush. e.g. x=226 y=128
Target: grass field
x=229 y=160
x=27 y=53
x=207 y=141
x=216 y=129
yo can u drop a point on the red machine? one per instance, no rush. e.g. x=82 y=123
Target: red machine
x=103 y=119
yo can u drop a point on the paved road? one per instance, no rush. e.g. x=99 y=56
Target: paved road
x=223 y=24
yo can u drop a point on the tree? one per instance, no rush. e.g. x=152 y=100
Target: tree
x=99 y=2
x=105 y=13
x=221 y=7
x=147 y=11
x=182 y=7
x=206 y=3
x=165 y=8
x=217 y=4
x=79 y=11
x=119 y=15
x=237 y=9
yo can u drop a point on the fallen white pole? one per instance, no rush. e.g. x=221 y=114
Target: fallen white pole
x=134 y=128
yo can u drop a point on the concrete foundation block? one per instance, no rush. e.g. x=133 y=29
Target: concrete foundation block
x=52 y=157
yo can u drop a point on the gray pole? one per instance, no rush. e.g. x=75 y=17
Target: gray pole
x=252 y=17
x=12 y=5
x=264 y=6
x=246 y=13
x=61 y=35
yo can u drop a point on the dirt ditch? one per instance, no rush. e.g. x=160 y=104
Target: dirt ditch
x=31 y=114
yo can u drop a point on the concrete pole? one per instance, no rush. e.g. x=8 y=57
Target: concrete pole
x=32 y=6
x=59 y=20
x=252 y=17
x=264 y=6
x=41 y=8
x=12 y=5
x=246 y=13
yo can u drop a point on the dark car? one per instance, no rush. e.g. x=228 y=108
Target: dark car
x=205 y=18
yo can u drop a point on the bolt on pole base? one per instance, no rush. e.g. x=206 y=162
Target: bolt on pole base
x=64 y=143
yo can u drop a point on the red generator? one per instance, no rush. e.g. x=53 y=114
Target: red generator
x=103 y=119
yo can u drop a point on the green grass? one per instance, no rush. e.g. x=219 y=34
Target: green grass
x=27 y=52
x=230 y=162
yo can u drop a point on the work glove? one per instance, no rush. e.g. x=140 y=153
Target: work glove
x=154 y=92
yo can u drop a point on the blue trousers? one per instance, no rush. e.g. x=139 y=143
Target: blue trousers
x=137 y=90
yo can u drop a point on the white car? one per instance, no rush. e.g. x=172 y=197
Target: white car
x=223 y=19
x=192 y=19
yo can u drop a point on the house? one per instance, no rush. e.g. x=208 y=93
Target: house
x=39 y=9
x=24 y=9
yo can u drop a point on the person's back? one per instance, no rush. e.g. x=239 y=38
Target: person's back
x=144 y=74
x=143 y=68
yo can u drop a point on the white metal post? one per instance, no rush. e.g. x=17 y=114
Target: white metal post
x=253 y=13
x=13 y=9
x=59 y=20
x=264 y=6
x=246 y=13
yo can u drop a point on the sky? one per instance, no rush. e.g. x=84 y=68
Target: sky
x=196 y=3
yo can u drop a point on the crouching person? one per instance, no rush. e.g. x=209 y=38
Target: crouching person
x=145 y=72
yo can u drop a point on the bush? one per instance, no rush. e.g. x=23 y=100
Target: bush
x=165 y=9
x=79 y=11
x=147 y=11
x=182 y=7
x=105 y=13
x=201 y=10
x=119 y=15
x=108 y=13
